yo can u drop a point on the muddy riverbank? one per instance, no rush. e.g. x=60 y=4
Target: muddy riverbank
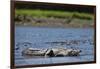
x=25 y=20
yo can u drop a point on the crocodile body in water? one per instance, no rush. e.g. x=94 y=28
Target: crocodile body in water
x=53 y=52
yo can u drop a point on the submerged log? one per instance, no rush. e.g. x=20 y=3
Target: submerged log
x=51 y=52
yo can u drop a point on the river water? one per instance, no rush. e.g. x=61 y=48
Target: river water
x=42 y=37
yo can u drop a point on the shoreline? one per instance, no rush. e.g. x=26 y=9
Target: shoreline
x=54 y=27
x=53 y=22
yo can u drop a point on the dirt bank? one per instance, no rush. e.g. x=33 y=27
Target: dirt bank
x=52 y=22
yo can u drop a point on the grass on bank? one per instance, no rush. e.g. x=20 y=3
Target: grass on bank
x=53 y=13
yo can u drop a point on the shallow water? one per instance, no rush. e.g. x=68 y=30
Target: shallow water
x=37 y=37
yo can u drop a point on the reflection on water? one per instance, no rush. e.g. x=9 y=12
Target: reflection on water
x=76 y=38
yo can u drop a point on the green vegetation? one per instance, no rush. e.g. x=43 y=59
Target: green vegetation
x=52 y=18
x=53 y=13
